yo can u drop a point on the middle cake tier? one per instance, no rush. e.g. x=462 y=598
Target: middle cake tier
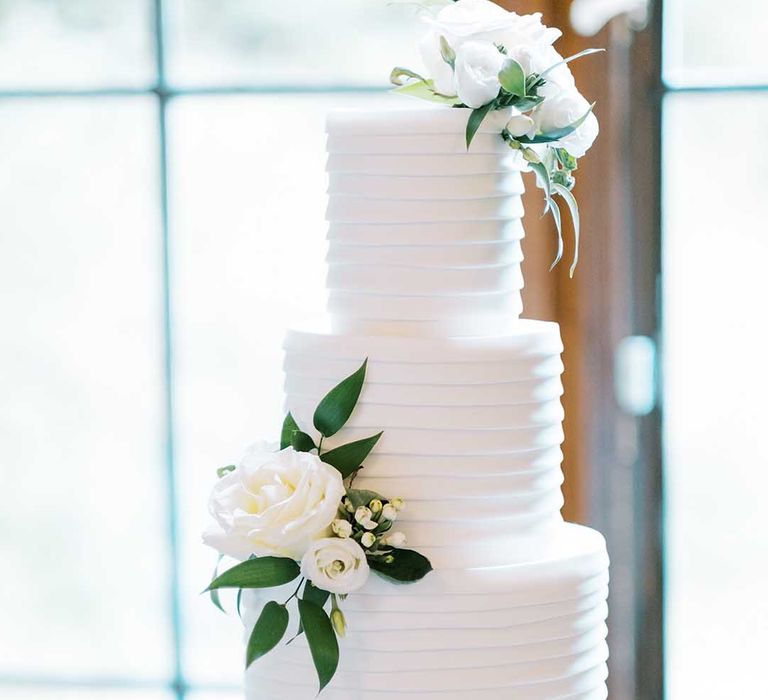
x=472 y=429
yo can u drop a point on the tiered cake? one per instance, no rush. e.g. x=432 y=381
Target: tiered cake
x=424 y=280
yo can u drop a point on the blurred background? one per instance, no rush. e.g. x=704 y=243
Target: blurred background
x=161 y=222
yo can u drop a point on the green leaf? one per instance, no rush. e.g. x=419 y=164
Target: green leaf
x=585 y=52
x=314 y=595
x=337 y=405
x=408 y=566
x=321 y=639
x=558 y=134
x=425 y=90
x=215 y=598
x=239 y=601
x=348 y=458
x=400 y=76
x=573 y=207
x=260 y=572
x=512 y=77
x=566 y=159
x=289 y=428
x=525 y=104
x=268 y=631
x=362 y=497
x=301 y=442
x=559 y=224
x=476 y=119
x=223 y=471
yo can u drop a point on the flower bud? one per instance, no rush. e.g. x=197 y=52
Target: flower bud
x=397 y=503
x=389 y=512
x=369 y=524
x=339 y=622
x=341 y=528
x=389 y=559
x=368 y=539
x=394 y=539
x=375 y=505
x=348 y=506
x=363 y=514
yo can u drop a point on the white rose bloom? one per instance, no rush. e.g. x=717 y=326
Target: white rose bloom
x=477 y=73
x=335 y=565
x=564 y=109
x=273 y=503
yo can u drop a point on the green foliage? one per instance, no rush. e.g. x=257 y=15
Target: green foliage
x=337 y=405
x=559 y=226
x=301 y=442
x=512 y=78
x=214 y=594
x=406 y=566
x=362 y=497
x=289 y=428
x=321 y=640
x=557 y=134
x=259 y=572
x=425 y=90
x=573 y=207
x=268 y=631
x=223 y=471
x=476 y=119
x=447 y=53
x=348 y=458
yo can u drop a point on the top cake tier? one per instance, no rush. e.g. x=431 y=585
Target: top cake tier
x=424 y=234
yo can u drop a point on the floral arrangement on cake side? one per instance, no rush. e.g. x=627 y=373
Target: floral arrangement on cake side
x=293 y=515
x=480 y=57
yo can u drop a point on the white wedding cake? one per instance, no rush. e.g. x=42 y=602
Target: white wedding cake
x=424 y=280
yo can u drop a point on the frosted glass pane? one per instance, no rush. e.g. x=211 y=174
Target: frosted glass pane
x=291 y=41
x=83 y=520
x=75 y=693
x=710 y=42
x=75 y=43
x=248 y=208
x=716 y=377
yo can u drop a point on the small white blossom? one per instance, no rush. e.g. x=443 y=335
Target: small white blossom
x=389 y=512
x=375 y=505
x=397 y=503
x=394 y=539
x=363 y=514
x=341 y=528
x=369 y=524
x=368 y=539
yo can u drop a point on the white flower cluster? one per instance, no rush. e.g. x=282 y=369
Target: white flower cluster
x=466 y=48
x=292 y=504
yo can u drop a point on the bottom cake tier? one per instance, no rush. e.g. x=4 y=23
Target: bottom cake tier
x=533 y=630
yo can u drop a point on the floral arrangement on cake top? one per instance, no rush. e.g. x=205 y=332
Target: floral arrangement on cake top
x=293 y=514
x=480 y=57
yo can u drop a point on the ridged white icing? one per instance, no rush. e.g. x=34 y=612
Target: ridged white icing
x=424 y=281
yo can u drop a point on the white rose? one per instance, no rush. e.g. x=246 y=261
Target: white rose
x=477 y=73
x=539 y=57
x=273 y=503
x=562 y=110
x=335 y=565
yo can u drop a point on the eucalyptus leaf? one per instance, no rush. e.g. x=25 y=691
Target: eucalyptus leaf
x=400 y=76
x=362 y=497
x=566 y=159
x=337 y=405
x=475 y=120
x=289 y=428
x=321 y=639
x=512 y=78
x=544 y=182
x=425 y=90
x=407 y=566
x=301 y=442
x=259 y=572
x=573 y=206
x=558 y=134
x=348 y=458
x=559 y=225
x=267 y=632
x=580 y=54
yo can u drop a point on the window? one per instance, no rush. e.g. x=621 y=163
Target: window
x=161 y=220
x=714 y=248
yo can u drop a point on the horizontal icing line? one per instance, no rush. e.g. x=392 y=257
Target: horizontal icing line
x=405 y=201
x=514 y=429
x=477 y=267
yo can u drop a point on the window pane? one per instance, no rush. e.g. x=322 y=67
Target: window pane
x=711 y=42
x=82 y=527
x=291 y=41
x=75 y=43
x=715 y=374
x=249 y=200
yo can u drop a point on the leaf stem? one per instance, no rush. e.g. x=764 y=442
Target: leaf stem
x=320 y=444
x=295 y=593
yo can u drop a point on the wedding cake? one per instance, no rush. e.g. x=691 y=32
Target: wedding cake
x=424 y=291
